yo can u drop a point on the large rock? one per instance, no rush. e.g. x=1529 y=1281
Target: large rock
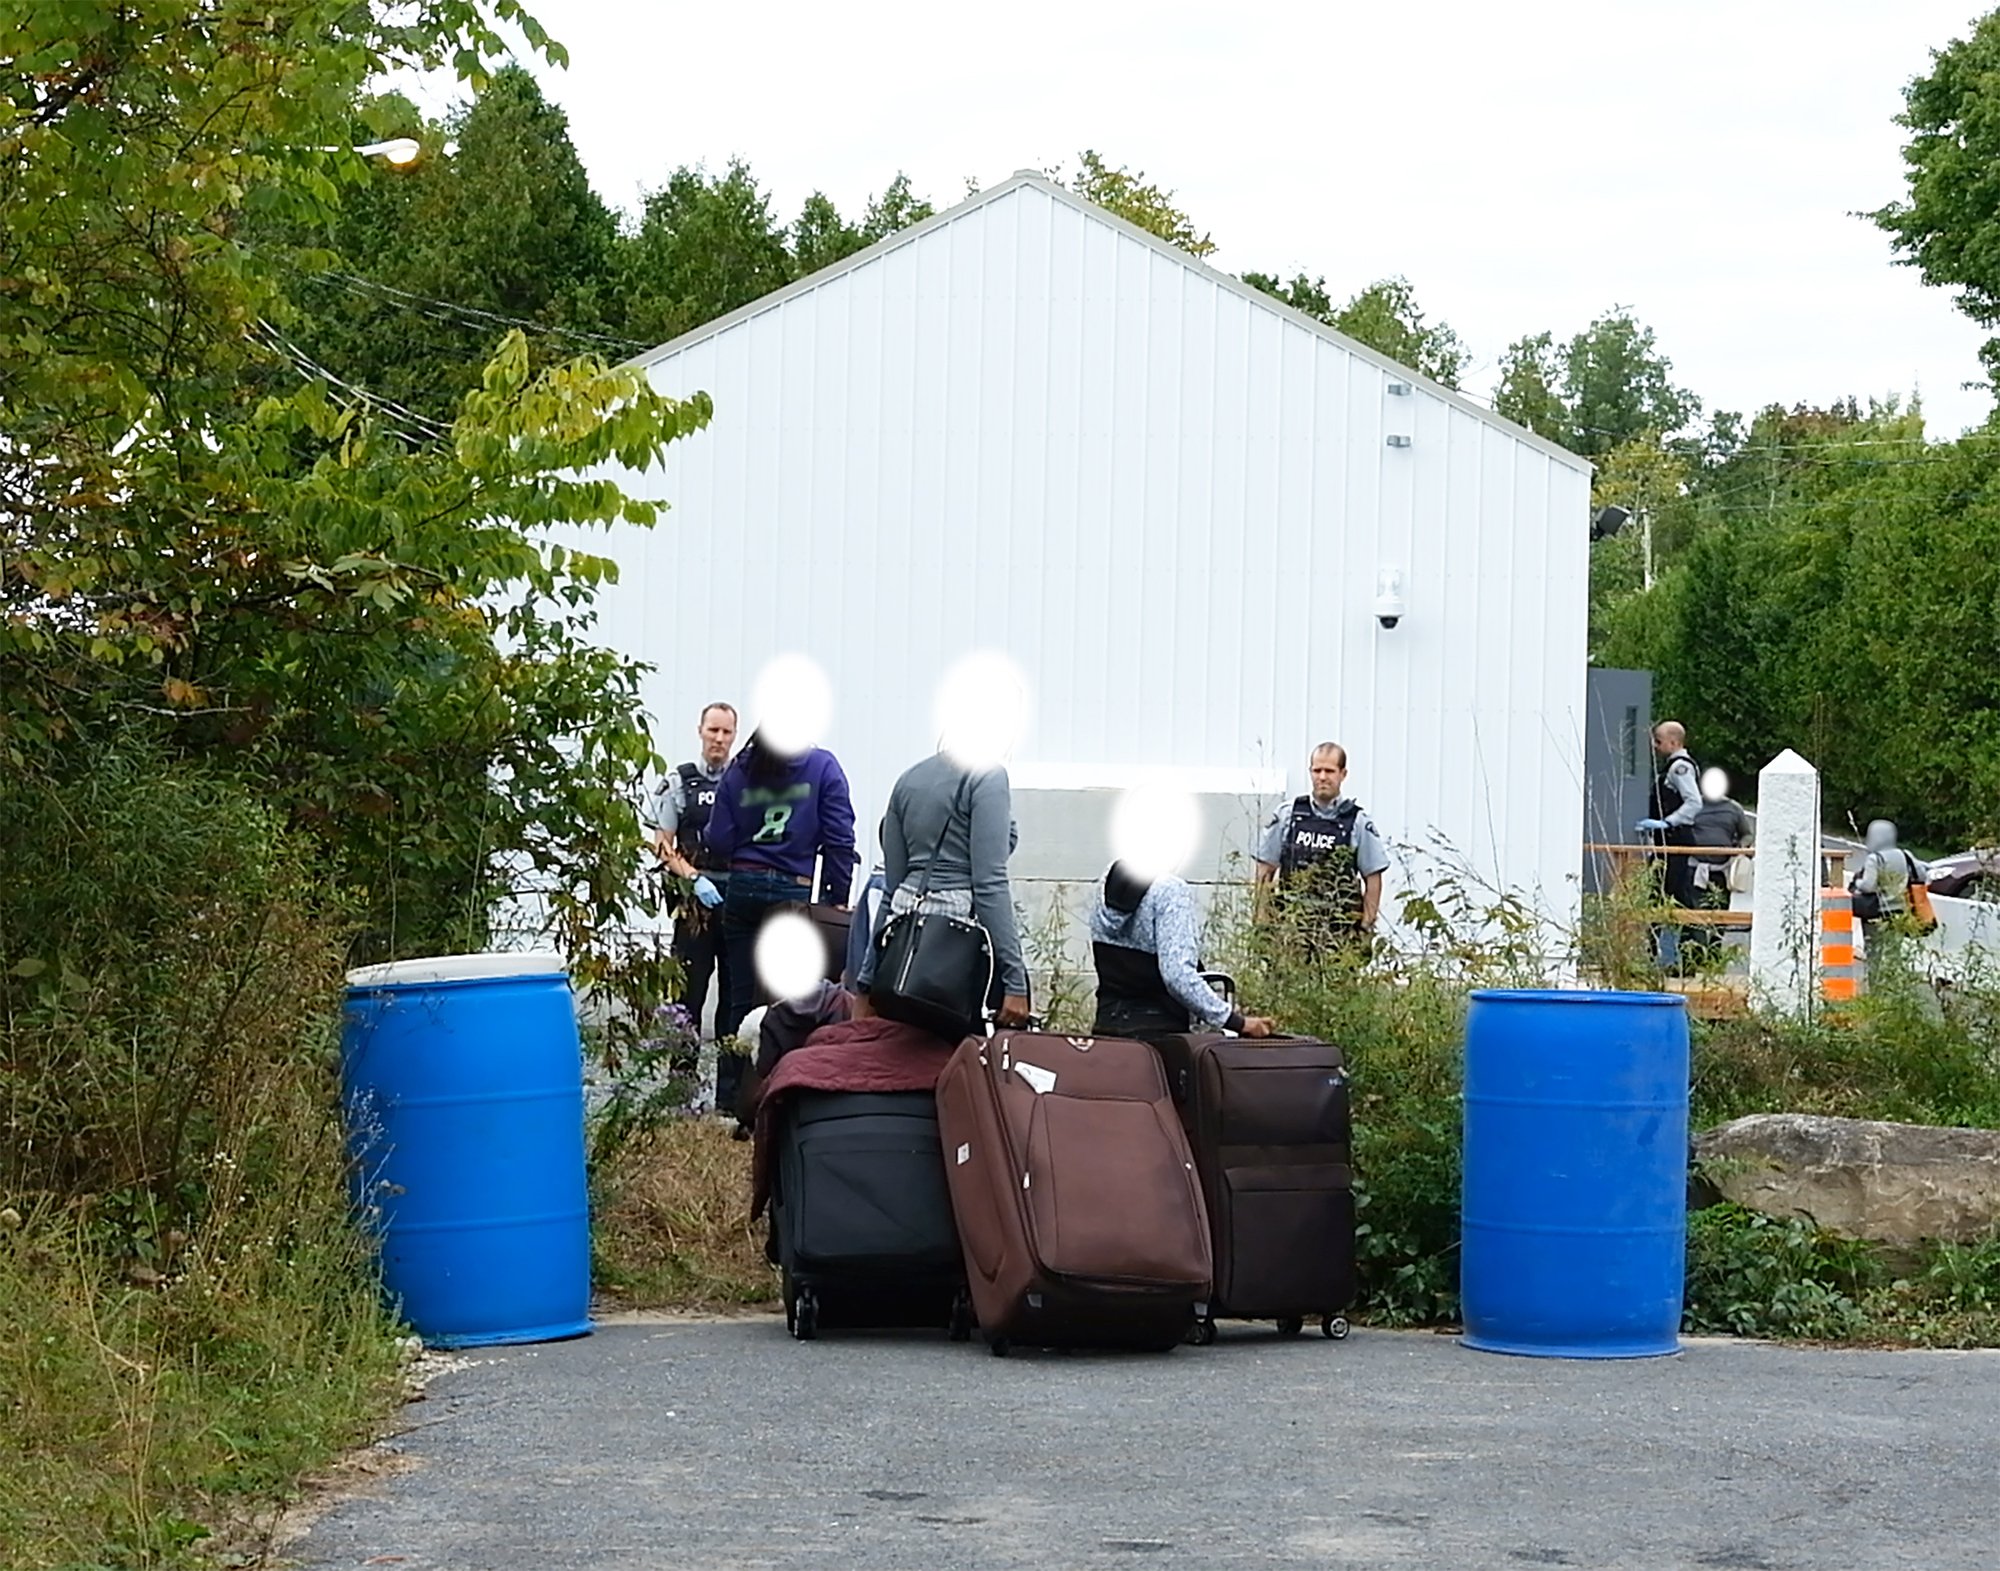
x=1892 y=1183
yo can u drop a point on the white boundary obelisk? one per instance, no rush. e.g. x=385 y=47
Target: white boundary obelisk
x=1784 y=931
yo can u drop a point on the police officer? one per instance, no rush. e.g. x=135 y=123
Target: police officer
x=1325 y=848
x=1676 y=805
x=680 y=823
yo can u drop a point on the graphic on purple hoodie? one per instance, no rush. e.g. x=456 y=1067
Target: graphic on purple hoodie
x=783 y=825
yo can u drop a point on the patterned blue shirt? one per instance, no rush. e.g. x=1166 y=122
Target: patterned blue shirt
x=1166 y=925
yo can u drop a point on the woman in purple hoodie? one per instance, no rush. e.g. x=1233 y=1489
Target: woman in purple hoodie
x=775 y=816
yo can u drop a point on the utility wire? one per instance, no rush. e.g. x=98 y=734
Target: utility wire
x=309 y=368
x=355 y=284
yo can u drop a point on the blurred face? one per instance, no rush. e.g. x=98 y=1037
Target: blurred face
x=1329 y=774
x=718 y=735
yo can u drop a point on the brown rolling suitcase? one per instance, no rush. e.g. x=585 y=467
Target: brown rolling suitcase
x=1272 y=1134
x=833 y=925
x=1075 y=1192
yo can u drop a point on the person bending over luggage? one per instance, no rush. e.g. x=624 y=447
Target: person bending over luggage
x=1146 y=938
x=945 y=843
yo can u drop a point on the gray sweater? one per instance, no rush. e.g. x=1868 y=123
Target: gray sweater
x=973 y=854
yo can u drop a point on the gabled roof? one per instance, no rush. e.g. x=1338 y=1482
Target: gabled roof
x=1028 y=178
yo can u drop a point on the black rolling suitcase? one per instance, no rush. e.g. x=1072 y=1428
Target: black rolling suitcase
x=1272 y=1134
x=862 y=1217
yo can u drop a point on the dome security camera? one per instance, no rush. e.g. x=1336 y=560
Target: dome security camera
x=1389 y=604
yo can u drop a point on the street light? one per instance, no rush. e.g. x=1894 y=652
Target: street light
x=398 y=151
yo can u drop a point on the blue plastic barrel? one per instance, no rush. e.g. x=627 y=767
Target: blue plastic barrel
x=1576 y=1153
x=463 y=1087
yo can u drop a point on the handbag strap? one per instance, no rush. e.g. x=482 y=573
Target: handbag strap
x=957 y=807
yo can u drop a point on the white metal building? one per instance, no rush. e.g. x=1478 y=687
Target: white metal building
x=1027 y=424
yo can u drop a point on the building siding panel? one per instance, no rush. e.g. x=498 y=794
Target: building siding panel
x=1027 y=428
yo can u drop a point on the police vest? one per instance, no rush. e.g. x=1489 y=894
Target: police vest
x=1311 y=838
x=1318 y=852
x=1667 y=800
x=698 y=794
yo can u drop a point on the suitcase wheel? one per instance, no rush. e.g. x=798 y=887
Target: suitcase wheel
x=802 y=1315
x=1291 y=1327
x=961 y=1318
x=1201 y=1333
x=1334 y=1327
x=1000 y=1347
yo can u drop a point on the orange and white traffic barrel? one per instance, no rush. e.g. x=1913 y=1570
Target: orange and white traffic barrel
x=1839 y=975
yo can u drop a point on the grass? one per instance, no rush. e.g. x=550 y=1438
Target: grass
x=189 y=1320
x=672 y=1222
x=144 y=1409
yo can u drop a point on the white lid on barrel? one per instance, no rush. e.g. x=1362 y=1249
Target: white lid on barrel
x=460 y=968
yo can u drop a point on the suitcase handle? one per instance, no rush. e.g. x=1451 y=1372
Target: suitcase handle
x=1222 y=982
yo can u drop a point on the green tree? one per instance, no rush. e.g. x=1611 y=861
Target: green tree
x=1606 y=386
x=897 y=208
x=1650 y=482
x=1304 y=294
x=436 y=261
x=1617 y=386
x=1385 y=316
x=704 y=246
x=1948 y=226
x=820 y=236
x=206 y=540
x=1530 y=390
x=1837 y=597
x=1129 y=194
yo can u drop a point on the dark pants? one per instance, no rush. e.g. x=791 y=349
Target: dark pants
x=699 y=948
x=1673 y=879
x=1139 y=1021
x=751 y=899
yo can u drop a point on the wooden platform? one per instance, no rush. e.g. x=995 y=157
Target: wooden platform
x=1712 y=997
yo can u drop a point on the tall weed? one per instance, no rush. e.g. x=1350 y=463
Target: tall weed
x=187 y=1316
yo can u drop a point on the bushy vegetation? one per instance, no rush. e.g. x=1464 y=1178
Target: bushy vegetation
x=187 y=1318
x=289 y=678
x=1907 y=1051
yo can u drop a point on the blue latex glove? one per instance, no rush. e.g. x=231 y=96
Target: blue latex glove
x=706 y=892
x=1650 y=825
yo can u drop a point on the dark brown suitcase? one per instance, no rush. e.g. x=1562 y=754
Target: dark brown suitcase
x=833 y=925
x=1075 y=1192
x=1272 y=1133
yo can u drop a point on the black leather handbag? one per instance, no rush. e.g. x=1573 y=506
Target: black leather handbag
x=935 y=970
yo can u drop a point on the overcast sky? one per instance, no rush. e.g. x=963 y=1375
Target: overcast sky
x=1525 y=166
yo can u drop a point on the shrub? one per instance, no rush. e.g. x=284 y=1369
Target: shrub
x=1905 y=1051
x=186 y=1314
x=1753 y=1275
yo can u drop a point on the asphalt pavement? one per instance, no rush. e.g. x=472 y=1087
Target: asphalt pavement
x=720 y=1445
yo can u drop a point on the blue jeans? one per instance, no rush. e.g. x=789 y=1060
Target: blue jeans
x=751 y=898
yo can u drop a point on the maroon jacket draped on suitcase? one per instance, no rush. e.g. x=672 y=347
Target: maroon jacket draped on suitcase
x=854 y=1055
